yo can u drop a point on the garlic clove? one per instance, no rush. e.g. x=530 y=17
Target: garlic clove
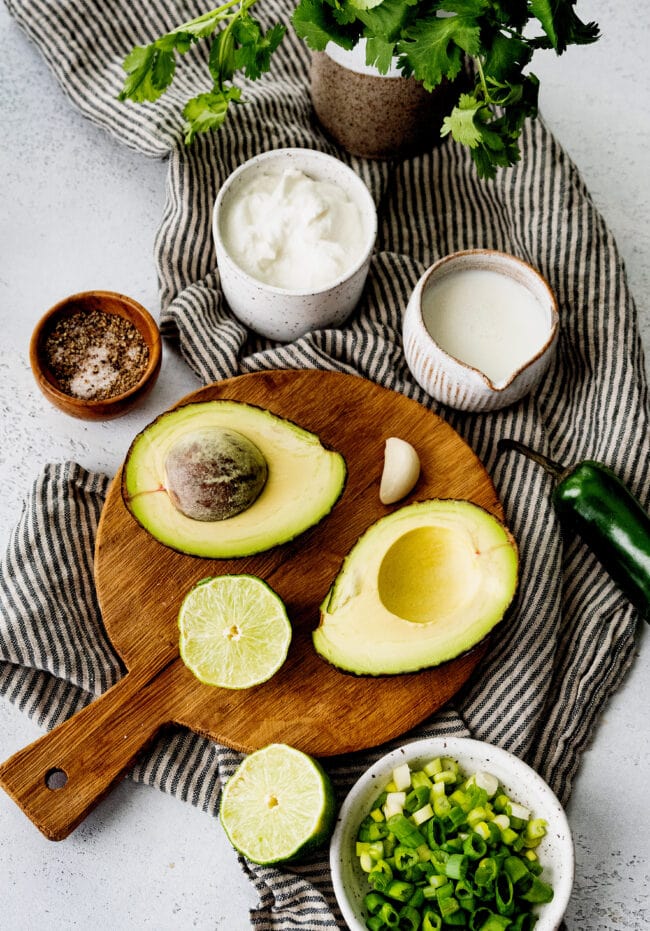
x=401 y=470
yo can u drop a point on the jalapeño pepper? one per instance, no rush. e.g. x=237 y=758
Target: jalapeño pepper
x=592 y=501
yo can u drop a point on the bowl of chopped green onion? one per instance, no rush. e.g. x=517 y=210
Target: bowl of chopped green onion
x=452 y=833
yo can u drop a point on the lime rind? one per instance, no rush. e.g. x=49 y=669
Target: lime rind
x=234 y=631
x=278 y=806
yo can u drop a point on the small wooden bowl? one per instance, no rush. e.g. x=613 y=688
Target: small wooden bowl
x=107 y=302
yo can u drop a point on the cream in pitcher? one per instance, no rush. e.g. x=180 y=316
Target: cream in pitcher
x=485 y=319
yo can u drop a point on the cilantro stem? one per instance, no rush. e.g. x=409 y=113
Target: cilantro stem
x=216 y=13
x=479 y=68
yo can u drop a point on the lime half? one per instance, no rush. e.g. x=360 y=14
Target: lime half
x=234 y=631
x=278 y=805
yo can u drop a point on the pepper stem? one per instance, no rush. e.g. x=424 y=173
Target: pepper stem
x=549 y=465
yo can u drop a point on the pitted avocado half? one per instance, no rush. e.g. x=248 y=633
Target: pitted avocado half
x=421 y=586
x=223 y=479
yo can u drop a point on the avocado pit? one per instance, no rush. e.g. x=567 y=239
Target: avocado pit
x=214 y=474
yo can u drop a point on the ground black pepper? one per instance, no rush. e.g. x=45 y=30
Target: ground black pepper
x=94 y=355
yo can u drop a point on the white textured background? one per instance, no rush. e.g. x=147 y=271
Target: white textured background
x=78 y=211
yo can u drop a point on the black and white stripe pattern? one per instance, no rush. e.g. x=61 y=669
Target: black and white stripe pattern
x=571 y=638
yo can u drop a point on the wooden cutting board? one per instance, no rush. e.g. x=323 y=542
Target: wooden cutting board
x=308 y=703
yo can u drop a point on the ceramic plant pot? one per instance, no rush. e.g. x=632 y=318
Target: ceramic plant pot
x=371 y=114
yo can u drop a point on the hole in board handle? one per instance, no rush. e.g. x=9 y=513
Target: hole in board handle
x=55 y=779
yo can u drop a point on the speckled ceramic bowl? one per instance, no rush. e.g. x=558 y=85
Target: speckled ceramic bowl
x=521 y=782
x=375 y=115
x=454 y=382
x=279 y=313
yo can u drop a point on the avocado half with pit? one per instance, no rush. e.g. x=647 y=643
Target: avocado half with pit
x=421 y=586
x=223 y=479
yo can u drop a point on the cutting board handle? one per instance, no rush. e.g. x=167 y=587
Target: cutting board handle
x=59 y=778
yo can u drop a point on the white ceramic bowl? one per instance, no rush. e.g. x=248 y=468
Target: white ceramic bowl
x=455 y=382
x=280 y=313
x=521 y=782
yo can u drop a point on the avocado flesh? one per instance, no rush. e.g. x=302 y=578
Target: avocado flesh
x=421 y=586
x=303 y=482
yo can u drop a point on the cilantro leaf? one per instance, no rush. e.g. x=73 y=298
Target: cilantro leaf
x=492 y=137
x=365 y=4
x=387 y=20
x=150 y=71
x=253 y=55
x=379 y=52
x=208 y=111
x=561 y=24
x=433 y=48
x=462 y=123
x=203 y=26
x=508 y=55
x=314 y=23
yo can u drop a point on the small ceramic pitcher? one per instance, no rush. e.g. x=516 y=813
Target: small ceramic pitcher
x=371 y=114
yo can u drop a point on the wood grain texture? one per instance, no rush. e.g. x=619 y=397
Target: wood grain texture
x=308 y=703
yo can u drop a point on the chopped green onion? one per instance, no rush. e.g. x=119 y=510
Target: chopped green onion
x=435 y=832
x=431 y=920
x=524 y=922
x=478 y=814
x=535 y=830
x=518 y=811
x=405 y=857
x=504 y=894
x=417 y=899
x=495 y=923
x=452 y=765
x=409 y=919
x=422 y=814
x=456 y=866
x=539 y=891
x=389 y=915
x=442 y=850
x=441 y=806
x=445 y=891
x=380 y=875
x=394 y=804
x=457 y=816
x=517 y=870
x=474 y=846
x=447 y=905
x=400 y=890
x=416 y=799
x=372 y=902
x=487 y=781
x=486 y=872
x=439 y=859
x=446 y=776
x=420 y=778
x=509 y=837
x=402 y=776
x=405 y=831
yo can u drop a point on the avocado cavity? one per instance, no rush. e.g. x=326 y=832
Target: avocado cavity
x=421 y=586
x=214 y=473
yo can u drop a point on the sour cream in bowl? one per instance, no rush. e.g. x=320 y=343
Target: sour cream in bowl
x=294 y=231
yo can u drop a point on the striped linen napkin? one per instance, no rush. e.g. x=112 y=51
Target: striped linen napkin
x=570 y=640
